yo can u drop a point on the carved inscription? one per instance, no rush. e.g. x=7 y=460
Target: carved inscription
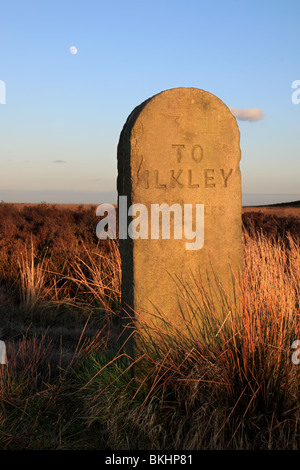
x=190 y=178
x=175 y=179
x=178 y=149
x=190 y=182
x=157 y=184
x=170 y=179
x=196 y=152
x=209 y=178
x=226 y=176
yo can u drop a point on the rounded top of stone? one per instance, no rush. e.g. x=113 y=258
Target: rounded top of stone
x=185 y=92
x=192 y=93
x=192 y=102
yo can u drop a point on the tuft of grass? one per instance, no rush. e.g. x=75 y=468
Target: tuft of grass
x=98 y=278
x=32 y=279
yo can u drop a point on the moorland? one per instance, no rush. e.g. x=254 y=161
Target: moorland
x=67 y=385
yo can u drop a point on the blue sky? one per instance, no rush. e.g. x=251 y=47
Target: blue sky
x=63 y=113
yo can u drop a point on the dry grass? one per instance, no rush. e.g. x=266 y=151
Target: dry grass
x=277 y=211
x=32 y=279
x=228 y=384
x=98 y=279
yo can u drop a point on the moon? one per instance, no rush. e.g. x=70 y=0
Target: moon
x=73 y=50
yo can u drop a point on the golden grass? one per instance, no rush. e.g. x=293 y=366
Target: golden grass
x=230 y=383
x=98 y=278
x=32 y=279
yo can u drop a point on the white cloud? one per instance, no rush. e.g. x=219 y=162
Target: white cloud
x=252 y=114
x=59 y=161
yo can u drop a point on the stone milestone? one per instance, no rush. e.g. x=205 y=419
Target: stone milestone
x=179 y=148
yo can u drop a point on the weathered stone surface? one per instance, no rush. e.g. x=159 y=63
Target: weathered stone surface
x=180 y=146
